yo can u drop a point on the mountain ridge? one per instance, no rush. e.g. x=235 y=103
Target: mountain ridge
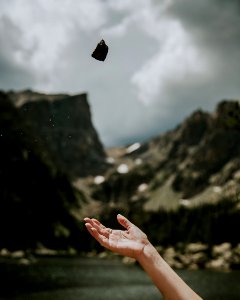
x=197 y=162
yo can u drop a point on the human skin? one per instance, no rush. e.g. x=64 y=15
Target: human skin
x=133 y=242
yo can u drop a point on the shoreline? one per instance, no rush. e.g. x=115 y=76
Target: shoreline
x=193 y=256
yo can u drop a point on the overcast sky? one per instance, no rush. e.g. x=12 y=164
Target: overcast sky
x=166 y=58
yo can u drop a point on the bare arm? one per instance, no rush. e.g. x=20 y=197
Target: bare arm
x=133 y=242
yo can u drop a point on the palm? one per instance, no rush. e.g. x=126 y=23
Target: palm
x=125 y=242
x=129 y=242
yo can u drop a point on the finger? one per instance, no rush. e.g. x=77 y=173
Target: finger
x=92 y=222
x=100 y=238
x=102 y=229
x=124 y=221
x=88 y=220
x=98 y=223
x=99 y=227
x=106 y=232
x=92 y=229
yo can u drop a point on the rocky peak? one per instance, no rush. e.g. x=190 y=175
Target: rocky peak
x=64 y=125
x=192 y=130
x=228 y=114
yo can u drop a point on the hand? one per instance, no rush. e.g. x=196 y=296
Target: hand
x=133 y=242
x=130 y=242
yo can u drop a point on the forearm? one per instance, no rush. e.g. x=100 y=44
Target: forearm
x=167 y=281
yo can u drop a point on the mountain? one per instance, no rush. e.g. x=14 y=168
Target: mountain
x=63 y=123
x=38 y=160
x=180 y=187
x=36 y=197
x=197 y=162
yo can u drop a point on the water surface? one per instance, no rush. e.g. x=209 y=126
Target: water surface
x=98 y=279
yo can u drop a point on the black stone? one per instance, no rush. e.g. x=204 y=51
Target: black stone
x=101 y=51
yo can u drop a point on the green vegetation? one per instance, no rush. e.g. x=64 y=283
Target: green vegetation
x=209 y=224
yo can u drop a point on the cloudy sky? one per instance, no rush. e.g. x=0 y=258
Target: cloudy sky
x=166 y=58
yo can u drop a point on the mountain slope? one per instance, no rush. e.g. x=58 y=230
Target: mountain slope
x=197 y=162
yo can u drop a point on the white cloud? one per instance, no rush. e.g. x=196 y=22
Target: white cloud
x=140 y=13
x=130 y=6
x=47 y=26
x=116 y=31
x=177 y=59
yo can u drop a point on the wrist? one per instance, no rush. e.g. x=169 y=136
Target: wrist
x=148 y=253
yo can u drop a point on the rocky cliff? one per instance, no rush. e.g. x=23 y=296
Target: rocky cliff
x=197 y=162
x=36 y=197
x=63 y=123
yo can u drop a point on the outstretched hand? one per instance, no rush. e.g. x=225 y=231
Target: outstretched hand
x=133 y=242
x=129 y=242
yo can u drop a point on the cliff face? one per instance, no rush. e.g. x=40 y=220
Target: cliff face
x=35 y=196
x=197 y=162
x=63 y=123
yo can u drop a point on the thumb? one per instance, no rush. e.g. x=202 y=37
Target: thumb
x=124 y=221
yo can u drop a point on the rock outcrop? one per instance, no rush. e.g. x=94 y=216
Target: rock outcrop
x=63 y=123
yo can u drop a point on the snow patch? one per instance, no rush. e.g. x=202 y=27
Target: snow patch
x=123 y=169
x=99 y=179
x=133 y=147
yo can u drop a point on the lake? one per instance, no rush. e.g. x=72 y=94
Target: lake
x=100 y=279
